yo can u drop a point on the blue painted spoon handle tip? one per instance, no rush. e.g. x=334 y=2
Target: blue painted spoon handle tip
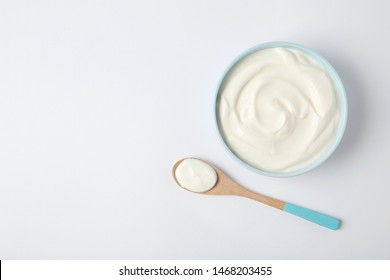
x=313 y=216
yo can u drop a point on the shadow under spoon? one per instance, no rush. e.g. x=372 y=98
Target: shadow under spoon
x=223 y=185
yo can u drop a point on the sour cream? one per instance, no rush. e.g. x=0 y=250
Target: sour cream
x=278 y=109
x=195 y=175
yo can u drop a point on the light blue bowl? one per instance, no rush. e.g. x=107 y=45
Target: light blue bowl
x=342 y=99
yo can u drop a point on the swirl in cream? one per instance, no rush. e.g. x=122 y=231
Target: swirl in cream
x=277 y=109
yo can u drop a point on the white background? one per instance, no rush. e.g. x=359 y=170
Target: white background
x=98 y=99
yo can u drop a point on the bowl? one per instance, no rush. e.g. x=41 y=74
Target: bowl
x=340 y=95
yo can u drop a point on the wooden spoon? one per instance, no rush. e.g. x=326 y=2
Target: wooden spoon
x=226 y=186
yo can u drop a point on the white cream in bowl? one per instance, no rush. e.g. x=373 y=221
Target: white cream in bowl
x=278 y=109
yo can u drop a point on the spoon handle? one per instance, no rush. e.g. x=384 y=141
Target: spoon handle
x=304 y=213
x=312 y=216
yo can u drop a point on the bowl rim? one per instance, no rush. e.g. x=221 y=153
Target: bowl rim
x=342 y=99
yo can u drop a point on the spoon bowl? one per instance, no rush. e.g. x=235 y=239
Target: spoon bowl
x=226 y=186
